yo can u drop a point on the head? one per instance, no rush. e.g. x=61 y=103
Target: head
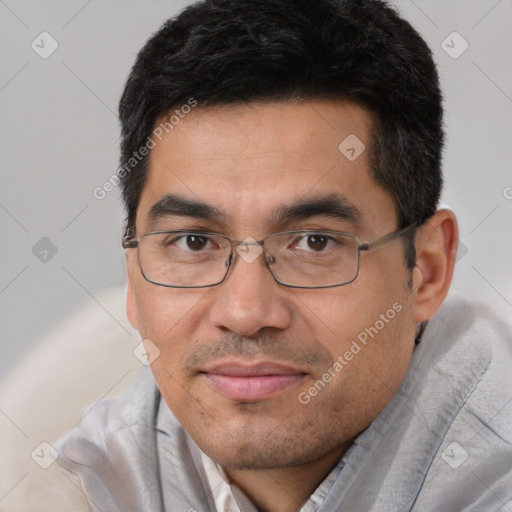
x=251 y=113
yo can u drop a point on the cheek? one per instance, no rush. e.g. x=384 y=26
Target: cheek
x=166 y=317
x=164 y=311
x=358 y=311
x=369 y=333
x=368 y=367
x=170 y=318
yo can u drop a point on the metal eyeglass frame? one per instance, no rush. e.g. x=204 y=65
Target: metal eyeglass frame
x=132 y=243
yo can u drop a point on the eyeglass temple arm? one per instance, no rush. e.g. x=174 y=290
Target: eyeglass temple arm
x=370 y=246
x=128 y=242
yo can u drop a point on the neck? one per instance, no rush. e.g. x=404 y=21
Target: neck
x=284 y=489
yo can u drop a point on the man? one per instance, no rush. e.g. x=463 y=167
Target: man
x=287 y=268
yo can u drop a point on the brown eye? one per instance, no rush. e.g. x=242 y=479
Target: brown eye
x=317 y=242
x=196 y=242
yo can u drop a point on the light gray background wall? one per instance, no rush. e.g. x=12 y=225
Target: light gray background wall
x=59 y=134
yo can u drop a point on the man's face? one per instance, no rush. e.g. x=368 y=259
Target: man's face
x=259 y=374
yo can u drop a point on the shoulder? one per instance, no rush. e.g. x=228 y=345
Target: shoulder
x=472 y=469
x=114 y=437
x=134 y=408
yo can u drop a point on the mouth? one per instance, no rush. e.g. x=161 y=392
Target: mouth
x=245 y=382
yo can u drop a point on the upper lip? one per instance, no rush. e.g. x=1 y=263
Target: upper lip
x=246 y=369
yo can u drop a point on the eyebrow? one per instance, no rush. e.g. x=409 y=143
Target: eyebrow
x=172 y=204
x=335 y=206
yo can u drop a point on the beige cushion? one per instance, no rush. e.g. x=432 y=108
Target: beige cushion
x=87 y=357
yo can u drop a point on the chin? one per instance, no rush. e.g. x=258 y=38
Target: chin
x=263 y=450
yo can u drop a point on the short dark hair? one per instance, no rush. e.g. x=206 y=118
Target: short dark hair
x=222 y=52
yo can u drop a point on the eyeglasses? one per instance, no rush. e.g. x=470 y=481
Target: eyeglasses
x=297 y=259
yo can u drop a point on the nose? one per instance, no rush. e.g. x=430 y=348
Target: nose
x=249 y=299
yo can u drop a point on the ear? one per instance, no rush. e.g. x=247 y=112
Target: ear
x=131 y=308
x=436 y=251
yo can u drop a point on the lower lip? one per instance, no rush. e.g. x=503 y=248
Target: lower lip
x=252 y=388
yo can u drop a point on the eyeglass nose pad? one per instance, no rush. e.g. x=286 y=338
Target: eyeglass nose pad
x=227 y=263
x=269 y=258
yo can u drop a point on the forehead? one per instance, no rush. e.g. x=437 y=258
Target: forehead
x=248 y=160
